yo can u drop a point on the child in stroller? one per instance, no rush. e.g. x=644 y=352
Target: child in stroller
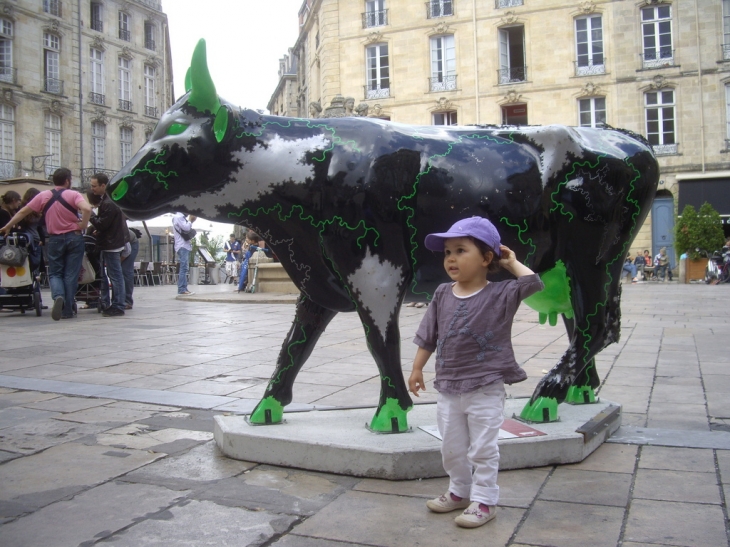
x=20 y=287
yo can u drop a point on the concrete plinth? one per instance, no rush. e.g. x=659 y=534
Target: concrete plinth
x=337 y=441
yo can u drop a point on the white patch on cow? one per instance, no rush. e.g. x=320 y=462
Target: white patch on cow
x=557 y=142
x=376 y=285
x=281 y=160
x=574 y=184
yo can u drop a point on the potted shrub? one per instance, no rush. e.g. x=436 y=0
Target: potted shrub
x=698 y=234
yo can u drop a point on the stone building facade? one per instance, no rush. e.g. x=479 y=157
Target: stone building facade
x=82 y=83
x=659 y=68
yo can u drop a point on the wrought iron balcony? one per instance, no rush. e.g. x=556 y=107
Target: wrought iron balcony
x=53 y=85
x=439 y=8
x=125 y=35
x=125 y=105
x=512 y=75
x=150 y=111
x=8 y=74
x=665 y=149
x=377 y=92
x=442 y=83
x=657 y=58
x=590 y=67
x=96 y=98
x=89 y=172
x=499 y=4
x=726 y=52
x=149 y=43
x=727 y=145
x=375 y=18
x=53 y=7
x=97 y=24
x=10 y=169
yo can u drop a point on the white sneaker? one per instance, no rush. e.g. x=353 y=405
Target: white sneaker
x=445 y=503
x=474 y=517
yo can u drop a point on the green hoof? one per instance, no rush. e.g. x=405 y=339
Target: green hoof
x=390 y=418
x=268 y=411
x=543 y=410
x=580 y=395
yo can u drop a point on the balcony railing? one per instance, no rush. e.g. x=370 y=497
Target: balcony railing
x=150 y=111
x=442 y=83
x=10 y=169
x=149 y=43
x=53 y=7
x=8 y=74
x=512 y=75
x=97 y=24
x=125 y=105
x=726 y=52
x=500 y=4
x=593 y=67
x=97 y=98
x=375 y=18
x=89 y=172
x=439 y=8
x=154 y=4
x=727 y=145
x=665 y=149
x=657 y=58
x=53 y=85
x=125 y=35
x=377 y=92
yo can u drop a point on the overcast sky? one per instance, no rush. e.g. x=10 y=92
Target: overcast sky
x=244 y=40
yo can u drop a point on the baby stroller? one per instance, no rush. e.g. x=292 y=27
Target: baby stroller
x=20 y=288
x=90 y=293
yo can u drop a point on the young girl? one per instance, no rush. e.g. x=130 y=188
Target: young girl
x=468 y=325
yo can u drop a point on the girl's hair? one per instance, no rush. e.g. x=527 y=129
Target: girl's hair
x=484 y=249
x=30 y=193
x=10 y=196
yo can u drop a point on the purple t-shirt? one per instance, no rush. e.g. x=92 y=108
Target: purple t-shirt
x=472 y=336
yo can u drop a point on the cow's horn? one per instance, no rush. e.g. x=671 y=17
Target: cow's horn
x=202 y=89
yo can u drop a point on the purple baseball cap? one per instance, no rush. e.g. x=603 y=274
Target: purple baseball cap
x=476 y=227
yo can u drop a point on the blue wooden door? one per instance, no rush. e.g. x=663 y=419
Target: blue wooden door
x=662 y=227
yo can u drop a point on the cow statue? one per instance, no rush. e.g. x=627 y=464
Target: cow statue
x=345 y=204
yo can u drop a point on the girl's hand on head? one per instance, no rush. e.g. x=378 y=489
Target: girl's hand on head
x=415 y=382
x=507 y=256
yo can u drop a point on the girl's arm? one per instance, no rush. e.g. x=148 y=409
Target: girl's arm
x=415 y=382
x=510 y=263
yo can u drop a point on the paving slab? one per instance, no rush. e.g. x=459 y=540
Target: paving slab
x=337 y=441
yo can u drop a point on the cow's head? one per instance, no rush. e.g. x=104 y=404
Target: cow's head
x=188 y=153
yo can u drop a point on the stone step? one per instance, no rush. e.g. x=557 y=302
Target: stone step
x=281 y=287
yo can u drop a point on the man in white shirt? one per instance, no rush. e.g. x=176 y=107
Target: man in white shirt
x=180 y=224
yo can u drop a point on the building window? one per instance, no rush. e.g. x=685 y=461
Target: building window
x=125 y=84
x=660 y=129
x=444 y=118
x=150 y=108
x=656 y=30
x=727 y=113
x=500 y=4
x=726 y=29
x=443 y=64
x=439 y=8
x=514 y=114
x=378 y=72
x=53 y=7
x=52 y=63
x=8 y=167
x=589 y=46
x=149 y=35
x=96 y=17
x=53 y=142
x=375 y=14
x=512 y=55
x=125 y=141
x=124 y=33
x=7 y=73
x=96 y=70
x=98 y=144
x=592 y=112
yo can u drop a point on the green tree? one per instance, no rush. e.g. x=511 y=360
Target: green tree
x=214 y=245
x=700 y=232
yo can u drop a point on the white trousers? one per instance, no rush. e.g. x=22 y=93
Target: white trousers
x=232 y=269
x=469 y=425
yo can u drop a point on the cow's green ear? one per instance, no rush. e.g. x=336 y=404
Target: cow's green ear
x=188 y=81
x=220 y=125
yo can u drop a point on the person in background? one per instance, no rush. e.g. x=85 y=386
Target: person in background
x=661 y=265
x=10 y=203
x=128 y=268
x=630 y=268
x=181 y=223
x=61 y=209
x=640 y=262
x=233 y=251
x=253 y=243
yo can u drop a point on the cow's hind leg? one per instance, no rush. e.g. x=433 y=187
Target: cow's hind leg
x=309 y=323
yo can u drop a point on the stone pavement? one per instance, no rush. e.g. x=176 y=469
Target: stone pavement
x=106 y=428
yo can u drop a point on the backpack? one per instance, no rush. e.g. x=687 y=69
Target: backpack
x=187 y=235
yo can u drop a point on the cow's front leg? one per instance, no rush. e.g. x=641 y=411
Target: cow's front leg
x=384 y=344
x=309 y=323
